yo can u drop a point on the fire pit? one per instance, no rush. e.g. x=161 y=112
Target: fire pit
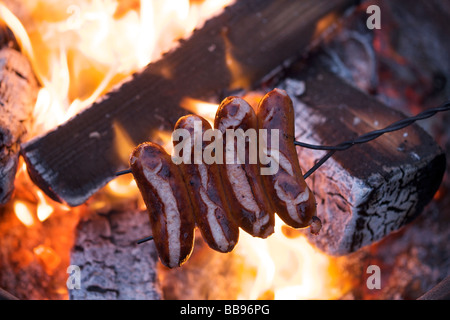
x=86 y=82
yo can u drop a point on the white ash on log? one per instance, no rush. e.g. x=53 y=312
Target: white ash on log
x=440 y=292
x=238 y=48
x=113 y=266
x=370 y=190
x=5 y=295
x=412 y=260
x=18 y=93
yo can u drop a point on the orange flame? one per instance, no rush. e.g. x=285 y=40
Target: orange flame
x=204 y=109
x=23 y=213
x=289 y=268
x=48 y=258
x=86 y=47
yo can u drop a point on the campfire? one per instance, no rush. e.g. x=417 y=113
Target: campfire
x=85 y=82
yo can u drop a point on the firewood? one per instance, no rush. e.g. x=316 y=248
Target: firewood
x=113 y=266
x=370 y=190
x=236 y=49
x=5 y=295
x=18 y=93
x=440 y=292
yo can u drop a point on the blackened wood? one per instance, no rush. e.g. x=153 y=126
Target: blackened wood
x=18 y=93
x=370 y=190
x=235 y=49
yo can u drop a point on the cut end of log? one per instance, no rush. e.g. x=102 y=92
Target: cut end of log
x=370 y=190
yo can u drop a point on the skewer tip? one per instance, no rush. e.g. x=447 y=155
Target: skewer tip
x=144 y=240
x=120 y=173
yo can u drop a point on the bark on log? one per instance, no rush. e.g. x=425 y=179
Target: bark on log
x=113 y=266
x=18 y=93
x=370 y=190
x=236 y=49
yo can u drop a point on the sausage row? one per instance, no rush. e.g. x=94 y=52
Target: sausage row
x=221 y=198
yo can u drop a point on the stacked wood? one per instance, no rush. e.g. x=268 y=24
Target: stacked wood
x=18 y=94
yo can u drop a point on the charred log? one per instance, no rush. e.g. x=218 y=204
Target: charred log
x=440 y=292
x=112 y=265
x=5 y=295
x=370 y=190
x=18 y=93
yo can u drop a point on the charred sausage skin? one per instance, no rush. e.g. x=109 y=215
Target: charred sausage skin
x=293 y=201
x=211 y=209
x=250 y=205
x=166 y=197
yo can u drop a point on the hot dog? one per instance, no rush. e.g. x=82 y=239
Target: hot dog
x=250 y=205
x=166 y=197
x=211 y=210
x=293 y=200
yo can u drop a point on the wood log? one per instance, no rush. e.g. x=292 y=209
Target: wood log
x=18 y=94
x=370 y=190
x=440 y=292
x=113 y=266
x=5 y=295
x=236 y=49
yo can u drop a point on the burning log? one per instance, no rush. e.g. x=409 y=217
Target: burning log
x=18 y=93
x=112 y=265
x=236 y=49
x=440 y=292
x=5 y=295
x=370 y=190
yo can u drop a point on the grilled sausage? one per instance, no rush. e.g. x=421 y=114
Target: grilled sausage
x=167 y=200
x=211 y=210
x=242 y=181
x=293 y=200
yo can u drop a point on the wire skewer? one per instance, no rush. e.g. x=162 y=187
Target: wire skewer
x=120 y=173
x=149 y=238
x=369 y=136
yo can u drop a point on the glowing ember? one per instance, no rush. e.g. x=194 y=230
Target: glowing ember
x=48 y=258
